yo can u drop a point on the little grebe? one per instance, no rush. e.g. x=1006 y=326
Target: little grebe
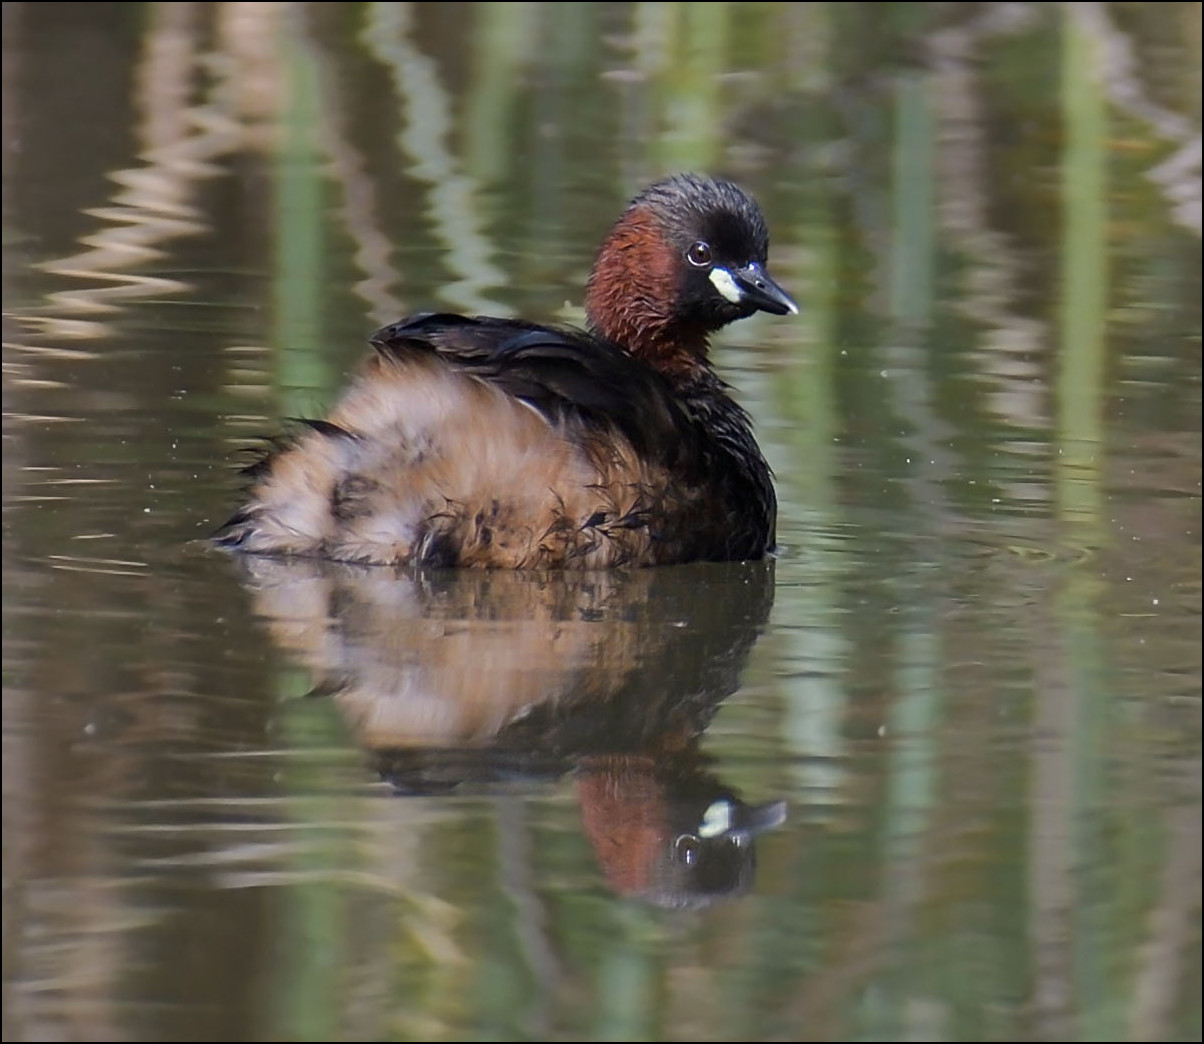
x=502 y=443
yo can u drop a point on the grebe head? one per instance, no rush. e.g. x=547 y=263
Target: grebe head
x=687 y=257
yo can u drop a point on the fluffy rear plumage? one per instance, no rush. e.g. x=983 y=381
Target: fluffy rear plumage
x=488 y=442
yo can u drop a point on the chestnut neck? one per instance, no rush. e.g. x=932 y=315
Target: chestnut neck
x=631 y=299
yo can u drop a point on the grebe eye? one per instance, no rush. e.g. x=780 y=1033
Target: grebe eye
x=699 y=254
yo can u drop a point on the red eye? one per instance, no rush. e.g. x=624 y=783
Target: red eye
x=699 y=254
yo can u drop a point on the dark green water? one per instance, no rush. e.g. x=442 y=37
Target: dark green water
x=960 y=713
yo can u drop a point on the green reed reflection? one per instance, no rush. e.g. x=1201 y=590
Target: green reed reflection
x=1084 y=300
x=693 y=44
x=1082 y=452
x=311 y=946
x=314 y=909
x=913 y=239
x=503 y=43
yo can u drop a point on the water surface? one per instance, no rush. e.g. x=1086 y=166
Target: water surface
x=933 y=773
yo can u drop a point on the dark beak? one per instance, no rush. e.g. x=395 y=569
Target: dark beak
x=762 y=292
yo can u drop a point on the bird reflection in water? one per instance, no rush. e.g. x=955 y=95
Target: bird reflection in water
x=476 y=680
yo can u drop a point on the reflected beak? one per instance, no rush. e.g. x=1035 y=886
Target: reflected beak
x=741 y=822
x=761 y=292
x=756 y=819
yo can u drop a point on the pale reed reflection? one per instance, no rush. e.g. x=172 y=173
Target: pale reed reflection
x=426 y=129
x=359 y=212
x=1014 y=343
x=486 y=679
x=154 y=203
x=1171 y=924
x=1178 y=176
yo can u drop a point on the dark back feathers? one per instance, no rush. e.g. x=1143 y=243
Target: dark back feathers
x=565 y=373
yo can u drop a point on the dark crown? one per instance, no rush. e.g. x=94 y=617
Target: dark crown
x=690 y=205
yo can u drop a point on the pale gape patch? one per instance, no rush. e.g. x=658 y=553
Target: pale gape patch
x=722 y=280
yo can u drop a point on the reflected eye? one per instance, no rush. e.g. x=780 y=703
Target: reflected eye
x=699 y=254
x=686 y=847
